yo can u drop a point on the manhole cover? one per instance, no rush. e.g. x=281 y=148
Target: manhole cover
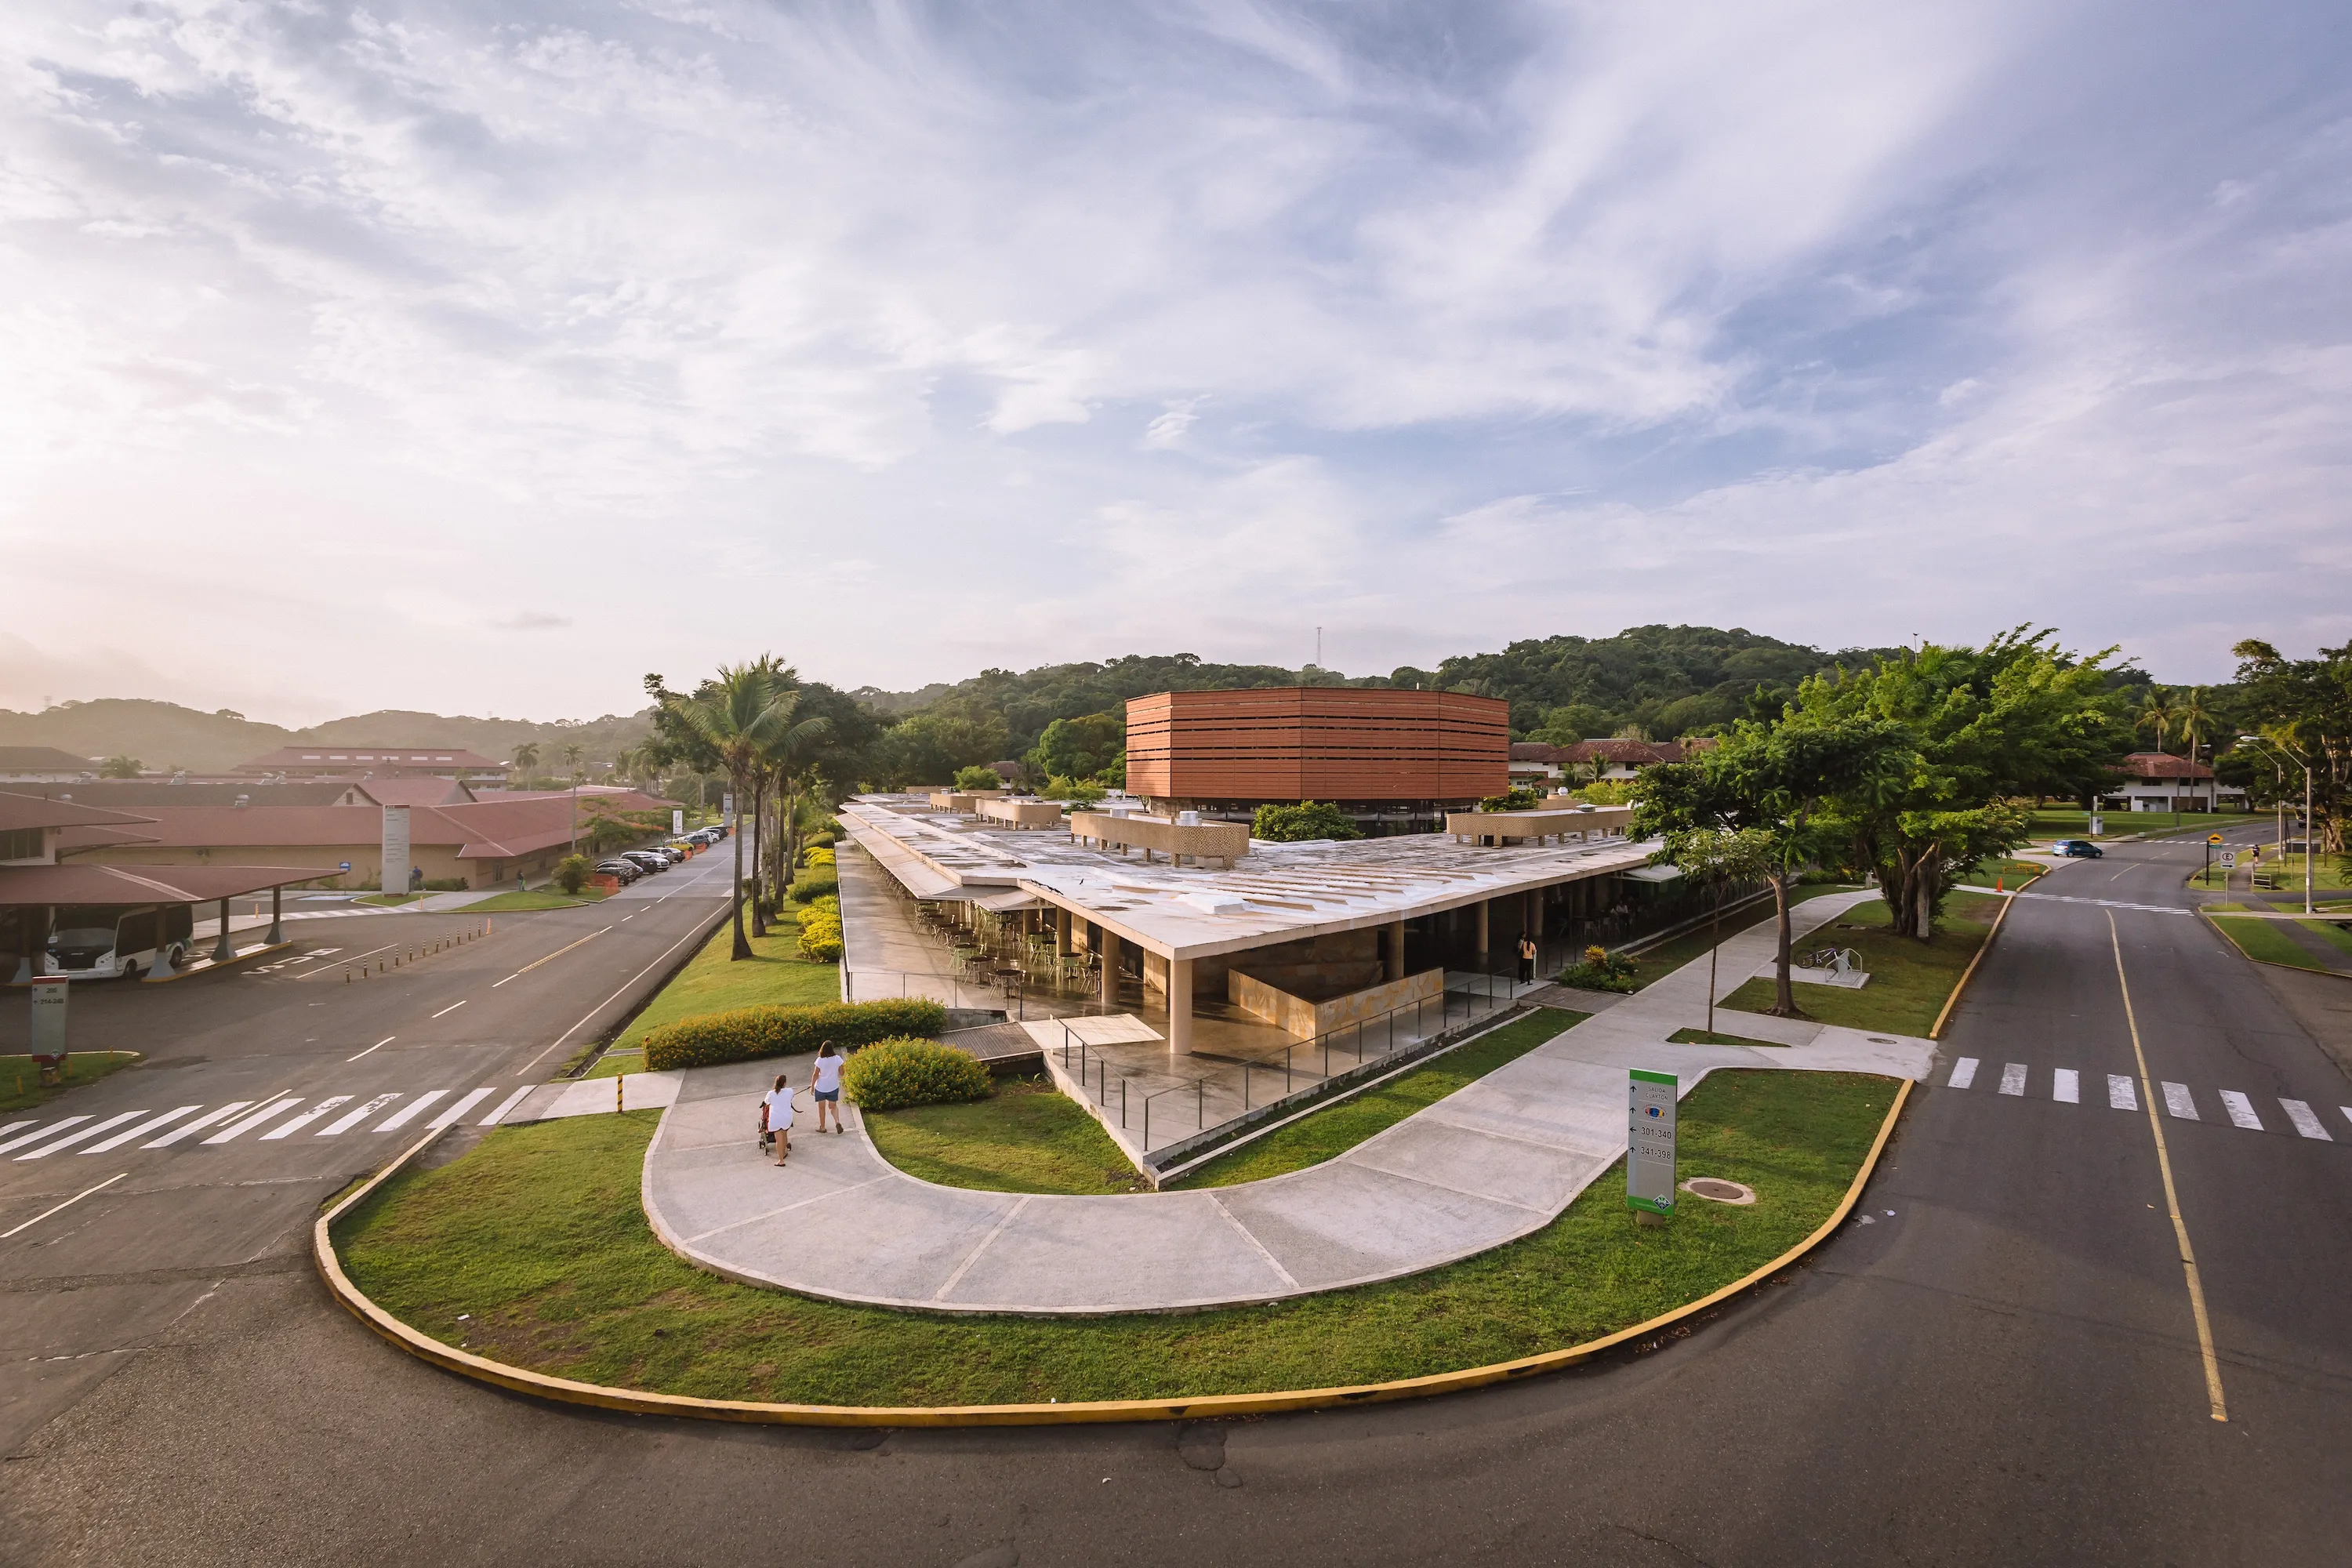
x=1719 y=1191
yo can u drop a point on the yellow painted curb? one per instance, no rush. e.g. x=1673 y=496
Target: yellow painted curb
x=1935 y=1029
x=637 y=1402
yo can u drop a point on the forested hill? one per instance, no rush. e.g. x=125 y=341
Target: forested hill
x=165 y=736
x=1663 y=679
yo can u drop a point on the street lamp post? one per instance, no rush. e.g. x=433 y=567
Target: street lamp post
x=2310 y=853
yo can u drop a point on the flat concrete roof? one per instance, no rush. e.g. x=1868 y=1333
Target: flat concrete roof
x=1277 y=893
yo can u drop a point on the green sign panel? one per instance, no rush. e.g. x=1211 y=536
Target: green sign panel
x=1650 y=1140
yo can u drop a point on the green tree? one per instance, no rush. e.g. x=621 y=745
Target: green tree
x=977 y=777
x=2195 y=720
x=1299 y=824
x=1081 y=747
x=2156 y=714
x=571 y=872
x=119 y=766
x=526 y=758
x=2018 y=717
x=1718 y=857
x=1776 y=783
x=2303 y=708
x=737 y=715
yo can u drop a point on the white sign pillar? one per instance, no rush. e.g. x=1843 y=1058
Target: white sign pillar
x=1650 y=1143
x=48 y=1042
x=395 y=849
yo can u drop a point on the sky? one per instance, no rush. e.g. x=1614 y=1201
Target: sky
x=483 y=357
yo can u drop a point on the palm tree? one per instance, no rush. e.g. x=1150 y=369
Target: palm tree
x=526 y=757
x=2196 y=721
x=2157 y=715
x=740 y=713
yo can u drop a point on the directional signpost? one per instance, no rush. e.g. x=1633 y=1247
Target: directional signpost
x=2211 y=840
x=1650 y=1144
x=48 y=1043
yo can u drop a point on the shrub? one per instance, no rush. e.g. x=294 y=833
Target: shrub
x=1300 y=824
x=821 y=932
x=818 y=882
x=979 y=778
x=1519 y=798
x=816 y=855
x=892 y=1073
x=746 y=1034
x=571 y=872
x=1601 y=971
x=822 y=837
x=446 y=884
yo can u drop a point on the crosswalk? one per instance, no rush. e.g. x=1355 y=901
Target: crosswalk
x=285 y=1116
x=2236 y=1107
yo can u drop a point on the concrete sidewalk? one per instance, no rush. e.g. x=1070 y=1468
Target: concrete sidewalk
x=1497 y=1160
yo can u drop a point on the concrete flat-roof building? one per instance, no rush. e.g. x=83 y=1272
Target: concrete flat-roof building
x=317 y=761
x=1394 y=759
x=43 y=764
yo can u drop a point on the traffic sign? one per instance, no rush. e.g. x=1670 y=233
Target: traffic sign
x=1650 y=1140
x=2212 y=838
x=2229 y=859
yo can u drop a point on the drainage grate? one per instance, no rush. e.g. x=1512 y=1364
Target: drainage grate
x=1718 y=1190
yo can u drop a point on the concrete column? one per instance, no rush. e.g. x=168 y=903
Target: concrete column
x=276 y=920
x=1062 y=931
x=1392 y=951
x=1483 y=924
x=222 y=952
x=1107 y=943
x=1180 y=1007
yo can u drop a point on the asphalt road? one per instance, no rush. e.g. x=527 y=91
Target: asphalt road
x=2001 y=1367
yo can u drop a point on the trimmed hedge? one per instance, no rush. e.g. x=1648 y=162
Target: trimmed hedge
x=893 y=1073
x=817 y=855
x=811 y=886
x=746 y=1034
x=821 y=932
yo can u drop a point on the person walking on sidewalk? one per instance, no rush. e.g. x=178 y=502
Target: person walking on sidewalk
x=826 y=1082
x=780 y=1117
x=1527 y=956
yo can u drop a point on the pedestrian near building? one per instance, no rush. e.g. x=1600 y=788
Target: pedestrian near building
x=778 y=1105
x=1527 y=956
x=824 y=1082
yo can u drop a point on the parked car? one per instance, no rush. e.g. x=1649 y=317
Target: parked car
x=627 y=871
x=671 y=852
x=647 y=858
x=2078 y=850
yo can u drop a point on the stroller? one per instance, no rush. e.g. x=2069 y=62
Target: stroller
x=766 y=1141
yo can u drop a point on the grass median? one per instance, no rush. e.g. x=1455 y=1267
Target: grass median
x=2268 y=942
x=1909 y=980
x=20 y=1077
x=1027 y=1137
x=532 y=1250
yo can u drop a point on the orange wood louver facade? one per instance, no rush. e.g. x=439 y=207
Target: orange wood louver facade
x=1318 y=742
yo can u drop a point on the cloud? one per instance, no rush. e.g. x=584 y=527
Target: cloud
x=1838 y=320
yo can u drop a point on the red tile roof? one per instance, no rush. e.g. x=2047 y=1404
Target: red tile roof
x=22 y=811
x=81 y=883
x=2161 y=766
x=316 y=757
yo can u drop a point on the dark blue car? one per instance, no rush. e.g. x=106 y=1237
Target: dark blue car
x=2078 y=850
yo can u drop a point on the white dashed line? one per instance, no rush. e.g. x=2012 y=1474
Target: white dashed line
x=2122 y=1093
x=2066 y=1087
x=449 y=1009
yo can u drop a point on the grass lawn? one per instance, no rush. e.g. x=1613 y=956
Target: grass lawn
x=1657 y=963
x=1320 y=1135
x=713 y=983
x=20 y=1078
x=536 y=1234
x=2059 y=824
x=2327 y=878
x=1998 y=871
x=1701 y=1037
x=2263 y=940
x=1909 y=981
x=1027 y=1137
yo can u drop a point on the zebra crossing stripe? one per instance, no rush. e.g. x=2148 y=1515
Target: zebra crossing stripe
x=199 y=1124
x=295 y=1124
x=408 y=1113
x=144 y=1128
x=1964 y=1073
x=2012 y=1078
x=2066 y=1087
x=461 y=1108
x=2122 y=1093
x=243 y=1125
x=92 y=1130
x=35 y=1136
x=509 y=1103
x=2304 y=1121
x=349 y=1119
x=2241 y=1110
x=12 y=1126
x=2179 y=1102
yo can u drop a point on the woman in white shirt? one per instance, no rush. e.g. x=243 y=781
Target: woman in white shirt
x=827 y=1084
x=780 y=1117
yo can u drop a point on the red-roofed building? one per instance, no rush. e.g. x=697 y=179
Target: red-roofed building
x=2159 y=781
x=1538 y=762
x=317 y=761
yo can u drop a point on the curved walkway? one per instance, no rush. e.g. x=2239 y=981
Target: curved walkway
x=1486 y=1165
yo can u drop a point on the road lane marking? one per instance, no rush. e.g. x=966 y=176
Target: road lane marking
x=559 y=953
x=1964 y=1073
x=449 y=1009
x=2181 y=1102
x=509 y=1103
x=616 y=995
x=2241 y=1110
x=34 y=1137
x=460 y=1108
x=2012 y=1078
x=351 y=1119
x=120 y=1139
x=408 y=1113
x=377 y=1046
x=92 y=1130
x=292 y=1125
x=12 y=1126
x=2122 y=1093
x=69 y=1203
x=199 y=1124
x=245 y=1124
x=2215 y=1404
x=2300 y=1113
x=2066 y=1087
x=2104 y=903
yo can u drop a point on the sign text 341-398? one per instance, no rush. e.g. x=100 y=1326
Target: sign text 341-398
x=1650 y=1140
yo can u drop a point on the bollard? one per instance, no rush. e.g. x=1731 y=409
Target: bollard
x=618 y=1079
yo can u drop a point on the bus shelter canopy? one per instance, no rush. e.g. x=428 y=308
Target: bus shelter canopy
x=41 y=886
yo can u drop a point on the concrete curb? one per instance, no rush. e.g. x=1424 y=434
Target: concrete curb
x=1936 y=1030
x=1208 y=1406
